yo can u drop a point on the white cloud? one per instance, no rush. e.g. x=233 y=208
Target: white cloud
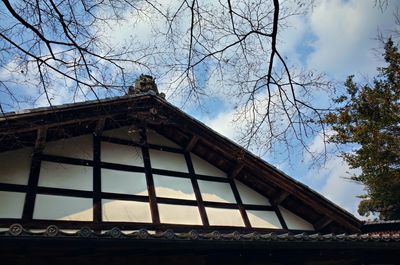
x=332 y=178
x=338 y=188
x=345 y=36
x=223 y=124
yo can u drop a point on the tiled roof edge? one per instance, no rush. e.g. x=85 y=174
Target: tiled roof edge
x=52 y=231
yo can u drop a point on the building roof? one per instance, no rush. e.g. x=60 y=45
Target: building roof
x=26 y=128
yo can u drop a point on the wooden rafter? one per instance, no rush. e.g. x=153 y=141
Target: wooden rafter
x=281 y=197
x=322 y=223
x=192 y=143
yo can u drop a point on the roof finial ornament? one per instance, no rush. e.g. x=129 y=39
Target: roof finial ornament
x=144 y=84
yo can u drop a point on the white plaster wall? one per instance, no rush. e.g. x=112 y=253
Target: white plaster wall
x=158 y=139
x=121 y=154
x=52 y=207
x=216 y=191
x=15 y=166
x=168 y=161
x=224 y=217
x=11 y=204
x=171 y=187
x=117 y=181
x=295 y=222
x=263 y=219
x=76 y=147
x=124 y=133
x=65 y=176
x=250 y=196
x=126 y=211
x=202 y=167
x=179 y=214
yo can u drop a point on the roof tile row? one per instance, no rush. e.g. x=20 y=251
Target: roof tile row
x=16 y=230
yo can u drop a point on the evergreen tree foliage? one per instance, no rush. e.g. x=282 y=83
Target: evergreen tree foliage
x=369 y=120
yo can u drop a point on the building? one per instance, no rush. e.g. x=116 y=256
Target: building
x=133 y=179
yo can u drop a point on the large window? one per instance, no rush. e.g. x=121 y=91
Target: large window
x=120 y=179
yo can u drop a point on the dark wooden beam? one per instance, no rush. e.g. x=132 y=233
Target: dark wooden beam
x=100 y=126
x=33 y=180
x=97 y=205
x=280 y=217
x=196 y=189
x=239 y=202
x=149 y=179
x=322 y=223
x=192 y=143
x=23 y=129
x=236 y=170
x=27 y=213
x=40 y=139
x=281 y=197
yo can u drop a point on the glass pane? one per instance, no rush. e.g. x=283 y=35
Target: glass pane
x=168 y=161
x=11 y=204
x=263 y=219
x=295 y=222
x=202 y=167
x=76 y=147
x=15 y=166
x=52 y=207
x=126 y=211
x=65 y=176
x=179 y=214
x=216 y=191
x=250 y=196
x=172 y=187
x=224 y=217
x=116 y=181
x=121 y=154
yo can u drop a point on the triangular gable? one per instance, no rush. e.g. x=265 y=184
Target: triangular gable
x=187 y=189
x=136 y=173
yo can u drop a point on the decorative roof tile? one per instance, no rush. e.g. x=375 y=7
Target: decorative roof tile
x=17 y=230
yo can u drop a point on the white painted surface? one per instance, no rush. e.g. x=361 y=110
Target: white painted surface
x=263 y=219
x=52 y=207
x=168 y=161
x=250 y=196
x=216 y=191
x=15 y=166
x=172 y=187
x=179 y=214
x=126 y=211
x=124 y=133
x=295 y=222
x=65 y=176
x=11 y=204
x=202 y=167
x=224 y=217
x=121 y=154
x=76 y=147
x=158 y=139
x=117 y=181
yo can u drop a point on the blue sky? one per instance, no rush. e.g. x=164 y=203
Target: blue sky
x=337 y=38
